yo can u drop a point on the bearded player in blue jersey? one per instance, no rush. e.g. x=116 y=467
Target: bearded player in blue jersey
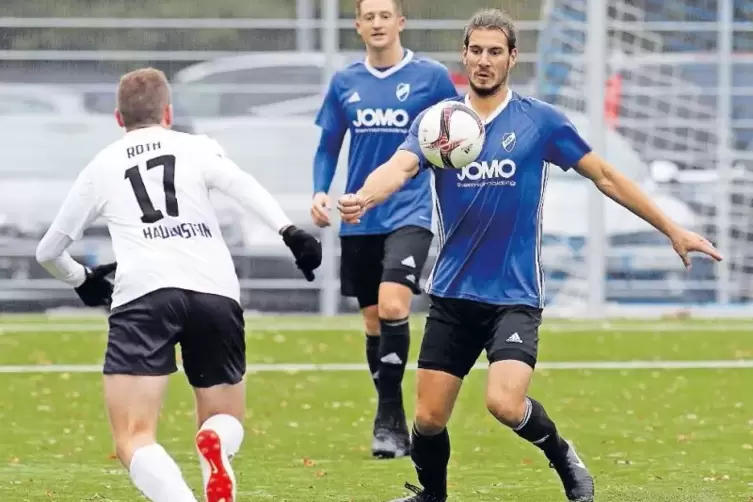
x=487 y=285
x=383 y=256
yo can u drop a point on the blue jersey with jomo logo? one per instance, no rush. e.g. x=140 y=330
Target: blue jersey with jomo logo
x=490 y=212
x=377 y=108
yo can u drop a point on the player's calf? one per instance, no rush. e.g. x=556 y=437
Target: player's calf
x=391 y=436
x=430 y=440
x=536 y=427
x=133 y=404
x=508 y=382
x=394 y=346
x=373 y=340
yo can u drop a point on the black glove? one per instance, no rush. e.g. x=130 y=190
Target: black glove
x=306 y=249
x=96 y=291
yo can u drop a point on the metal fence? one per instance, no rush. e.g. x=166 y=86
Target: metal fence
x=677 y=121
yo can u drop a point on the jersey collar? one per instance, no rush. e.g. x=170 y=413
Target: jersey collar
x=407 y=58
x=493 y=115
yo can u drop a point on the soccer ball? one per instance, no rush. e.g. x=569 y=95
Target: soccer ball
x=451 y=135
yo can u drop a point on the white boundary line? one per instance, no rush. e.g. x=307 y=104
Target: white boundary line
x=336 y=367
x=262 y=326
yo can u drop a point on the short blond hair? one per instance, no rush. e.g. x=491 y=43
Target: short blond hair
x=397 y=3
x=143 y=95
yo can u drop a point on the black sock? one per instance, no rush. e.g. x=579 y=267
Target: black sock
x=540 y=430
x=372 y=356
x=393 y=355
x=430 y=455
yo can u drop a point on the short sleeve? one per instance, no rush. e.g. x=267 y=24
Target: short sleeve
x=411 y=142
x=330 y=116
x=80 y=208
x=564 y=145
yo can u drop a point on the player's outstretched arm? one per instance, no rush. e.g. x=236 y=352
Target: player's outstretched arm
x=381 y=183
x=224 y=175
x=622 y=190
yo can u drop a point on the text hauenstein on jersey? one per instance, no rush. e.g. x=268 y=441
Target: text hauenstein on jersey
x=154 y=218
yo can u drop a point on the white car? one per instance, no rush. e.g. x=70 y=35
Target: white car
x=47 y=131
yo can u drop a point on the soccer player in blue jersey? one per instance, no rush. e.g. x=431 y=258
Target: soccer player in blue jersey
x=383 y=256
x=487 y=285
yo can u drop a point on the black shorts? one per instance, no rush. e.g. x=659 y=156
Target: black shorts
x=366 y=261
x=209 y=328
x=457 y=331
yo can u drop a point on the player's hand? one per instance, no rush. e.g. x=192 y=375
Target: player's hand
x=306 y=249
x=96 y=290
x=351 y=207
x=685 y=241
x=320 y=207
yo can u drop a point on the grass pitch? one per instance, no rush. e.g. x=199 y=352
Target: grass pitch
x=648 y=432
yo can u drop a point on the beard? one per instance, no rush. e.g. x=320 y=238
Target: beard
x=485 y=92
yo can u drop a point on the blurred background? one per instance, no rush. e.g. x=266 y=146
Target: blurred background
x=677 y=81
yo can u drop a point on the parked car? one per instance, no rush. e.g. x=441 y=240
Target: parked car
x=48 y=133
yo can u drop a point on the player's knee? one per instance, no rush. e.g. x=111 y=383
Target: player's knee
x=394 y=301
x=393 y=308
x=430 y=421
x=506 y=408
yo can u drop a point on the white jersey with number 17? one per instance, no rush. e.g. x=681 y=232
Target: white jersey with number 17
x=152 y=187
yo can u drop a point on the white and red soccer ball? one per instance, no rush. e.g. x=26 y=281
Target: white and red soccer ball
x=451 y=135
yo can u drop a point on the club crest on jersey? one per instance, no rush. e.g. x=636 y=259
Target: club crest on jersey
x=508 y=141
x=402 y=92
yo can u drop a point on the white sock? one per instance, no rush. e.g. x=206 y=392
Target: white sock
x=230 y=431
x=158 y=477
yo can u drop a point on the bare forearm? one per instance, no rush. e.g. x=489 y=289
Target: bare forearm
x=387 y=179
x=622 y=190
x=380 y=185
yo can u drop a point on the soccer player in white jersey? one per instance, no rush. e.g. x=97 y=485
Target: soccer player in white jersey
x=175 y=283
x=487 y=285
x=382 y=258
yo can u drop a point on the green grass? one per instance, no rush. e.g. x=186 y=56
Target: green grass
x=647 y=435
